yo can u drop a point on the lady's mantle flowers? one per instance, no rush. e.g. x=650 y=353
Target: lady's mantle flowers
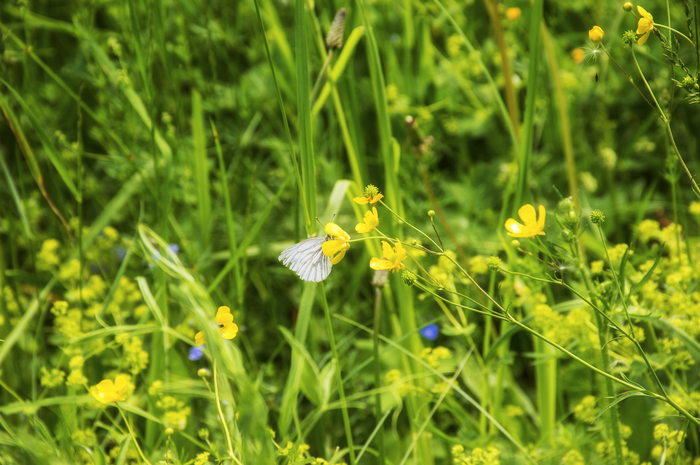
x=228 y=328
x=393 y=258
x=370 y=221
x=338 y=244
x=596 y=34
x=372 y=196
x=532 y=227
x=645 y=25
x=107 y=391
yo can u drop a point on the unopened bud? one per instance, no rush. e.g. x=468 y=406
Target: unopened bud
x=203 y=373
x=169 y=431
x=494 y=263
x=335 y=35
x=597 y=217
x=431 y=213
x=515 y=243
x=627 y=6
x=409 y=279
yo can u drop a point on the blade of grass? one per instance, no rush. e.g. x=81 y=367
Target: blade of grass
x=201 y=168
x=306 y=147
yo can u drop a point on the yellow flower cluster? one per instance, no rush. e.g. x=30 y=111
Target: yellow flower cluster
x=434 y=356
x=477 y=456
x=136 y=357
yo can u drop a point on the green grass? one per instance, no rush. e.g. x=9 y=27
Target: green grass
x=157 y=157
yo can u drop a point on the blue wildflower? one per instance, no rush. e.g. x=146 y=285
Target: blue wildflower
x=430 y=332
x=196 y=352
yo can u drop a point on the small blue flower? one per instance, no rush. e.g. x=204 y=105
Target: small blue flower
x=430 y=332
x=120 y=252
x=174 y=248
x=196 y=352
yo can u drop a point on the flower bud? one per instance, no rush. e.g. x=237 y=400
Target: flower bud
x=627 y=6
x=431 y=213
x=203 y=433
x=515 y=243
x=597 y=217
x=335 y=35
x=169 y=431
x=494 y=263
x=409 y=279
x=596 y=34
x=203 y=373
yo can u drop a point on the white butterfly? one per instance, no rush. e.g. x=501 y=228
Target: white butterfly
x=307 y=260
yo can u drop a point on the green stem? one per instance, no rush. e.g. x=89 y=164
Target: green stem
x=133 y=436
x=221 y=416
x=696 y=188
x=377 y=374
x=338 y=376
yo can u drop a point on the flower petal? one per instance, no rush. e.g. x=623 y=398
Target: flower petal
x=387 y=250
x=644 y=13
x=223 y=315
x=199 y=338
x=514 y=228
x=340 y=256
x=335 y=230
x=363 y=228
x=540 y=220
x=380 y=264
x=121 y=384
x=400 y=253
x=528 y=215
x=644 y=38
x=229 y=330
x=360 y=201
x=331 y=248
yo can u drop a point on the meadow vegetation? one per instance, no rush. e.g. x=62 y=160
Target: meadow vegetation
x=507 y=192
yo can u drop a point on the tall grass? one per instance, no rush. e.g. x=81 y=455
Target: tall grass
x=156 y=158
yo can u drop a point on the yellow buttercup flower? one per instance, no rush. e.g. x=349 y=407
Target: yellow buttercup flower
x=513 y=13
x=393 y=258
x=370 y=221
x=337 y=245
x=532 y=227
x=224 y=319
x=596 y=34
x=107 y=391
x=372 y=196
x=645 y=25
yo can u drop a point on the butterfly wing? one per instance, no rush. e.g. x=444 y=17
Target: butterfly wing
x=307 y=260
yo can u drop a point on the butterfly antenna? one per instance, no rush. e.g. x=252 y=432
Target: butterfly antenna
x=319 y=222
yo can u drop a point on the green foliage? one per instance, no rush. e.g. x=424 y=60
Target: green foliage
x=157 y=157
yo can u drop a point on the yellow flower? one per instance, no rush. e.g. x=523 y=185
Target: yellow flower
x=577 y=55
x=370 y=221
x=513 y=13
x=107 y=391
x=228 y=328
x=532 y=227
x=372 y=196
x=596 y=34
x=393 y=258
x=338 y=245
x=645 y=25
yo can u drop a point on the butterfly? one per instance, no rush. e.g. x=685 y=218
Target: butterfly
x=307 y=260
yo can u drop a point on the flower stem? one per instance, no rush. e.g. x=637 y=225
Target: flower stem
x=221 y=416
x=411 y=226
x=377 y=374
x=695 y=187
x=133 y=436
x=338 y=376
